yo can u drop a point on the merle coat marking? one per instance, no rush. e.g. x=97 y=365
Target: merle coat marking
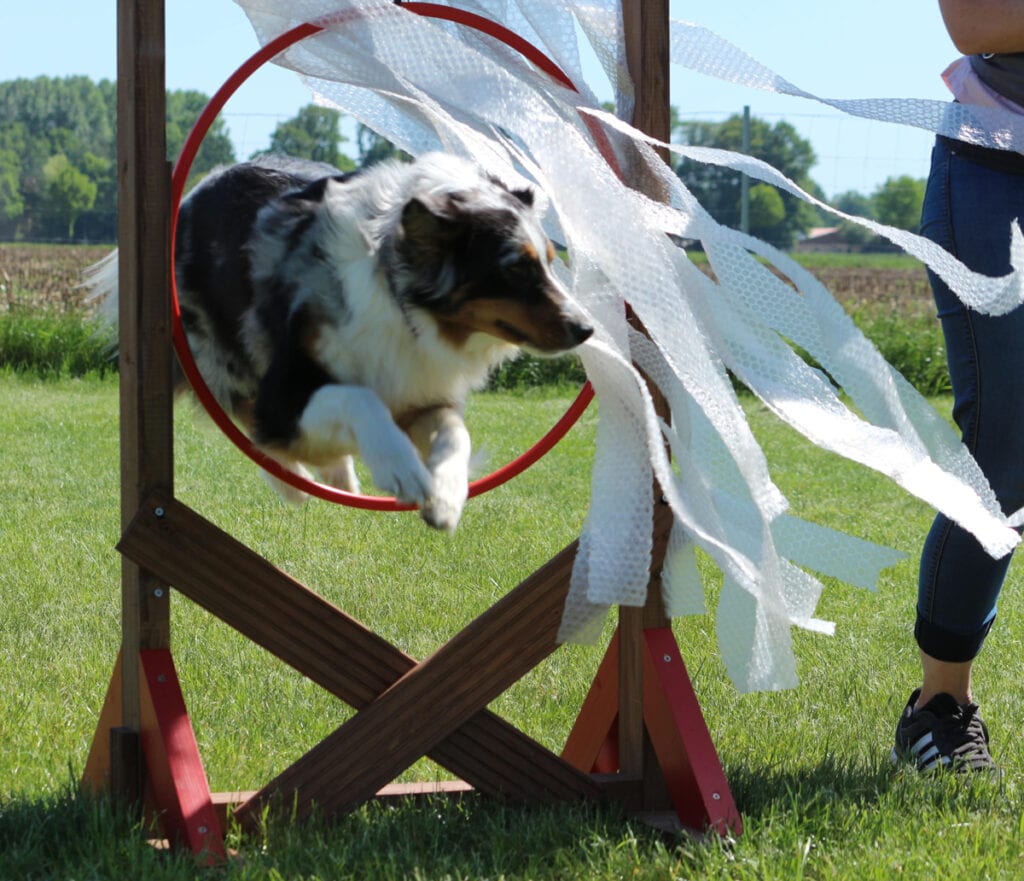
x=338 y=314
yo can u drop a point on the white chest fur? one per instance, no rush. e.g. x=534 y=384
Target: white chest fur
x=397 y=353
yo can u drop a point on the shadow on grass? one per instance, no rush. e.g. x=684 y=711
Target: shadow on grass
x=472 y=837
x=836 y=790
x=72 y=835
x=76 y=835
x=758 y=790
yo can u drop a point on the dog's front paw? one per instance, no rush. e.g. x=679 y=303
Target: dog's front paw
x=443 y=509
x=399 y=471
x=443 y=514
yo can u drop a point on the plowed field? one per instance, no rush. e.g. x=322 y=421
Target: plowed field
x=46 y=276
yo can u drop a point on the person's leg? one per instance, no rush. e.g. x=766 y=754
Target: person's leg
x=968 y=209
x=944 y=677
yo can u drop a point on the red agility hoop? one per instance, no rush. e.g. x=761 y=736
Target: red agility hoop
x=199 y=386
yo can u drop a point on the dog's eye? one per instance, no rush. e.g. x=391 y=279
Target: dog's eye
x=522 y=267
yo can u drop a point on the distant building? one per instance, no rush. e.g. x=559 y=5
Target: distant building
x=826 y=238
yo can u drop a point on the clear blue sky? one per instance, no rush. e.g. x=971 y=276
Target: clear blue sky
x=868 y=49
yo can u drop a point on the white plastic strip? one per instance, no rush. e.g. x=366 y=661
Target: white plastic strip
x=427 y=85
x=703 y=51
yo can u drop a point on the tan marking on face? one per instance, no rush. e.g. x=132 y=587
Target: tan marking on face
x=538 y=325
x=550 y=253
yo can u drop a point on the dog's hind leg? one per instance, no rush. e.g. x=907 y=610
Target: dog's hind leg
x=341 y=475
x=288 y=493
x=442 y=438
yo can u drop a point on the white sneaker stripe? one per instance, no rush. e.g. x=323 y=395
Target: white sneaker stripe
x=922 y=745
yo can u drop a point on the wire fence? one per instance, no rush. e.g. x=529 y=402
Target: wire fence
x=852 y=154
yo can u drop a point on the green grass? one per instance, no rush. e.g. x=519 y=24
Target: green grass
x=807 y=767
x=858 y=260
x=50 y=345
x=839 y=259
x=47 y=332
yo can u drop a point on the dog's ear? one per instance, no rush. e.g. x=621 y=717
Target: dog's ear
x=525 y=196
x=429 y=221
x=315 y=191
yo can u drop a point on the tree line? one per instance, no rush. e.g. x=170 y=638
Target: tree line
x=779 y=217
x=58 y=148
x=58 y=175
x=58 y=163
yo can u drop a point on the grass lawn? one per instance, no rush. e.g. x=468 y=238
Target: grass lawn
x=808 y=767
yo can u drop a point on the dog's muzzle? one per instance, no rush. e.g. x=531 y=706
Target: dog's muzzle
x=577 y=331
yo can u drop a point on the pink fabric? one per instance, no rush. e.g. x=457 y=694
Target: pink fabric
x=967 y=87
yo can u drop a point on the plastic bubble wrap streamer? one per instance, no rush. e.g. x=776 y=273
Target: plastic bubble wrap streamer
x=426 y=85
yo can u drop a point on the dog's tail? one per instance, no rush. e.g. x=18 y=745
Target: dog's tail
x=100 y=283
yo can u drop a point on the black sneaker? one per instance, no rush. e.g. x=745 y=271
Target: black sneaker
x=942 y=734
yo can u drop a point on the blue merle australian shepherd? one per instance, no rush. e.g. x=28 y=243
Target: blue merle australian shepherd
x=336 y=315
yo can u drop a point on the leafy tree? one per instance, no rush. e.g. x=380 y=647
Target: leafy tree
x=67 y=192
x=857 y=235
x=859 y=205
x=183 y=109
x=54 y=132
x=852 y=202
x=718 y=189
x=99 y=222
x=12 y=205
x=313 y=133
x=767 y=210
x=71 y=114
x=45 y=118
x=373 y=148
x=898 y=202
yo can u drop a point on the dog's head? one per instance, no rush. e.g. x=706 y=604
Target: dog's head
x=476 y=259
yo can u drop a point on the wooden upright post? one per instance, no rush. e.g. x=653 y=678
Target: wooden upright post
x=144 y=749
x=647 y=57
x=641 y=721
x=147 y=462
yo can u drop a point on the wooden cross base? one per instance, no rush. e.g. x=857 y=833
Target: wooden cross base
x=691 y=781
x=406 y=709
x=161 y=760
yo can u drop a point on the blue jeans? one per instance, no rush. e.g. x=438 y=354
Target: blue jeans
x=971 y=200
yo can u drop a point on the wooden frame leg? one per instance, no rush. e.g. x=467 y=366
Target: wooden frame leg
x=435 y=707
x=97 y=775
x=593 y=742
x=175 y=781
x=174 y=769
x=681 y=740
x=673 y=721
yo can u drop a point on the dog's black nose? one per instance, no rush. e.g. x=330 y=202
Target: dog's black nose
x=579 y=332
